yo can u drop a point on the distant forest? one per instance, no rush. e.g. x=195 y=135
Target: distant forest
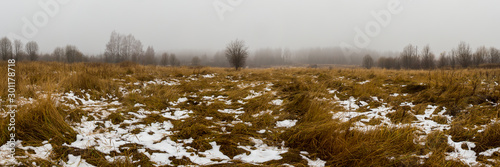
x=122 y=48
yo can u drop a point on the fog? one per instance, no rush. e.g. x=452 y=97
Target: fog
x=208 y=25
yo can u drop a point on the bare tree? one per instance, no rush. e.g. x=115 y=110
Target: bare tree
x=287 y=55
x=479 y=56
x=164 y=59
x=409 y=57
x=5 y=48
x=149 y=56
x=236 y=53
x=32 y=49
x=443 y=60
x=126 y=47
x=453 y=58
x=112 y=53
x=136 y=50
x=59 y=54
x=427 y=58
x=73 y=54
x=494 y=55
x=464 y=54
x=18 y=49
x=195 y=61
x=173 y=60
x=367 y=62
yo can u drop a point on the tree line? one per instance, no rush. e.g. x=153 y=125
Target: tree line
x=121 y=47
x=460 y=57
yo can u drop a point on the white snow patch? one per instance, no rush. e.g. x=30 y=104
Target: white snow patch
x=490 y=152
x=42 y=152
x=76 y=161
x=467 y=156
x=232 y=111
x=177 y=115
x=394 y=95
x=7 y=159
x=262 y=154
x=349 y=104
x=364 y=82
x=316 y=163
x=208 y=76
x=286 y=123
x=277 y=102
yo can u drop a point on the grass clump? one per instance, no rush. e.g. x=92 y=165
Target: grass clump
x=402 y=115
x=489 y=138
x=194 y=131
x=340 y=146
x=43 y=121
x=116 y=118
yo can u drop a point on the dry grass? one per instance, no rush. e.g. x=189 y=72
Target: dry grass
x=302 y=91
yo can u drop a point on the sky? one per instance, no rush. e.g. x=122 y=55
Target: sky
x=170 y=25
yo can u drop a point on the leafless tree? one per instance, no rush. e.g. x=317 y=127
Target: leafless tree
x=443 y=60
x=464 y=55
x=59 y=54
x=18 y=49
x=409 y=57
x=164 y=59
x=5 y=48
x=73 y=54
x=123 y=47
x=173 y=60
x=427 y=58
x=149 y=56
x=136 y=50
x=367 y=62
x=236 y=53
x=195 y=61
x=32 y=49
x=479 y=56
x=126 y=47
x=287 y=55
x=494 y=55
x=453 y=58
x=112 y=53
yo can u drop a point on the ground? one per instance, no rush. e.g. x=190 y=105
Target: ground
x=93 y=114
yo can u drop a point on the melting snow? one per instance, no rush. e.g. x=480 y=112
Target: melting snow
x=277 y=102
x=262 y=153
x=286 y=123
x=467 y=156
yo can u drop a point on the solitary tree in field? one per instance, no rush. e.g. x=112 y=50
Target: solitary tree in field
x=236 y=53
x=5 y=48
x=32 y=49
x=367 y=62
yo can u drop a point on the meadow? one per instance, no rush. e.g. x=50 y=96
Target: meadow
x=98 y=114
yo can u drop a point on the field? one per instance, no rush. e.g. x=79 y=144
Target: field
x=96 y=114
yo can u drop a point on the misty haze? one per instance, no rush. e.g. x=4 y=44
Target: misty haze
x=249 y=83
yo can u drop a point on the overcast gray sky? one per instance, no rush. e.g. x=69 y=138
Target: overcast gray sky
x=196 y=24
